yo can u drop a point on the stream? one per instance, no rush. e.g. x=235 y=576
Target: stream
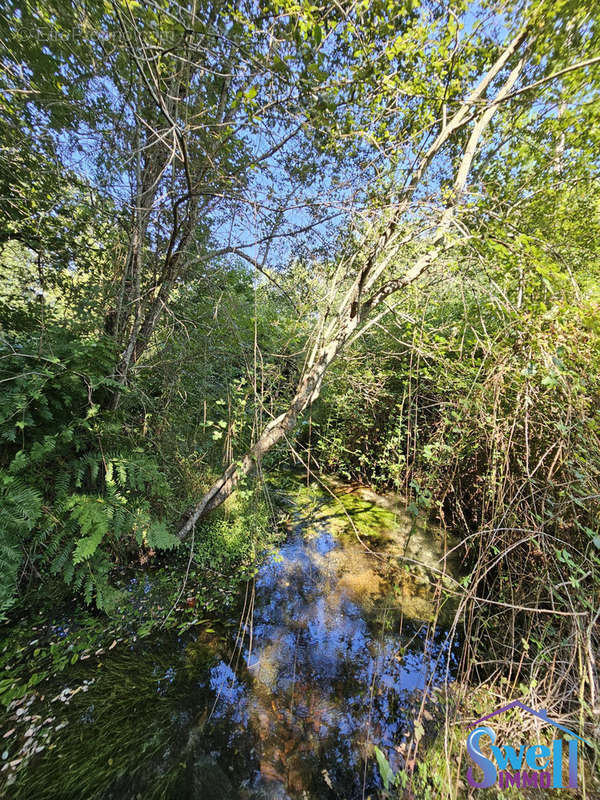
x=331 y=653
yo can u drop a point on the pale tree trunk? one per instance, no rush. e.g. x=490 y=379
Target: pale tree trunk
x=307 y=392
x=362 y=297
x=166 y=148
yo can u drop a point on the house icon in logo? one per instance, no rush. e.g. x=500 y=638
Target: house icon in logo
x=536 y=765
x=543 y=715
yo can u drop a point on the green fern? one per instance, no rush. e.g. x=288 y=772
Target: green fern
x=20 y=510
x=93 y=517
x=73 y=492
x=159 y=537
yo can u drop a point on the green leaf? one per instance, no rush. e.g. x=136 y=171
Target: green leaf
x=159 y=537
x=386 y=772
x=87 y=546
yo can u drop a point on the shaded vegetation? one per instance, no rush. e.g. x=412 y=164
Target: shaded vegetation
x=238 y=238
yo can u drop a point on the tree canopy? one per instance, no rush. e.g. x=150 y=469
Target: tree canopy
x=367 y=234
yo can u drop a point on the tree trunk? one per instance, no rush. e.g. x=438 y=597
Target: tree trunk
x=354 y=308
x=307 y=392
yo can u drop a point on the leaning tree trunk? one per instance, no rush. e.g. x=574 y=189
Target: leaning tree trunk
x=307 y=392
x=363 y=296
x=349 y=323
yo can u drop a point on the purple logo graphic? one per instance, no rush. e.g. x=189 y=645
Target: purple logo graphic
x=536 y=765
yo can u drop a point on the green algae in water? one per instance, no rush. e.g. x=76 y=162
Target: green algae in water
x=410 y=553
x=122 y=725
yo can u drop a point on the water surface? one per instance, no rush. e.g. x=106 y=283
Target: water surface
x=330 y=654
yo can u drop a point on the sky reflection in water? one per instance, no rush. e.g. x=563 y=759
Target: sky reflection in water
x=327 y=675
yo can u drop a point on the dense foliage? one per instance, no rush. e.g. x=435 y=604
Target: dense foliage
x=482 y=406
x=235 y=235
